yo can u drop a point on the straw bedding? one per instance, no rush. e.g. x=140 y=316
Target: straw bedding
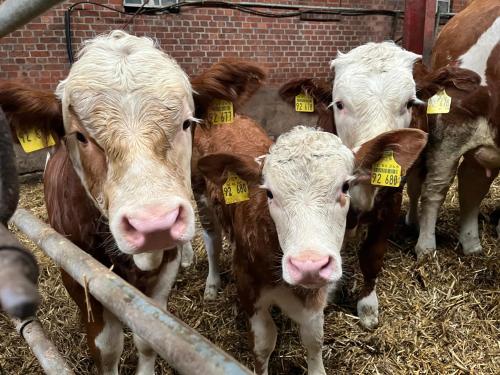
x=442 y=317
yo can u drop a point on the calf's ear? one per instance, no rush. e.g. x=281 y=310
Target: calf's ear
x=406 y=145
x=27 y=109
x=215 y=167
x=230 y=79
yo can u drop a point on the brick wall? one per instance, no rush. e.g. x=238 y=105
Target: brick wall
x=287 y=47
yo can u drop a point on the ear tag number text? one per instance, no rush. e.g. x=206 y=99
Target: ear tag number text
x=386 y=171
x=235 y=189
x=221 y=112
x=439 y=103
x=304 y=103
x=34 y=140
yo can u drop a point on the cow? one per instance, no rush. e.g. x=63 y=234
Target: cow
x=118 y=184
x=463 y=132
x=286 y=238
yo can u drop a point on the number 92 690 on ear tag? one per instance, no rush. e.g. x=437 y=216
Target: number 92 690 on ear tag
x=386 y=171
x=235 y=189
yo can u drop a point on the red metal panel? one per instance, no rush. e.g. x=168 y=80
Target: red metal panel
x=418 y=31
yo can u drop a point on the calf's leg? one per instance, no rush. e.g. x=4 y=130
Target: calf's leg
x=415 y=179
x=311 y=334
x=473 y=184
x=371 y=255
x=441 y=168
x=104 y=330
x=264 y=334
x=160 y=293
x=310 y=321
x=212 y=237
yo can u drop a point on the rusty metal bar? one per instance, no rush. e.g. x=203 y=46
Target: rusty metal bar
x=44 y=350
x=180 y=345
x=16 y=13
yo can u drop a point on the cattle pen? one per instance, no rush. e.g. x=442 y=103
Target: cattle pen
x=439 y=317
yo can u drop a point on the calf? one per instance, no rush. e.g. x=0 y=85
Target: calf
x=464 y=131
x=118 y=183
x=286 y=238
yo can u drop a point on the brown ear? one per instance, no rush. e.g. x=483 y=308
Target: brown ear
x=406 y=144
x=450 y=78
x=230 y=79
x=320 y=91
x=215 y=167
x=28 y=108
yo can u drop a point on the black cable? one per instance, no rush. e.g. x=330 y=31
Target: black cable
x=247 y=8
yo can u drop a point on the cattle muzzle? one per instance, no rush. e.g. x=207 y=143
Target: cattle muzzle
x=156 y=228
x=311 y=269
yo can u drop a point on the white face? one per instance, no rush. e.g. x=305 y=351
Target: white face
x=125 y=106
x=306 y=174
x=373 y=91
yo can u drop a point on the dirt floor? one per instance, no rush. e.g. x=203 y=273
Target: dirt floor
x=442 y=317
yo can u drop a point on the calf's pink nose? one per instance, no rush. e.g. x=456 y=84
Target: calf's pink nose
x=310 y=268
x=153 y=229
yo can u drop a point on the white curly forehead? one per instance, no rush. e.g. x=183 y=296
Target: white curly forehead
x=306 y=153
x=304 y=143
x=112 y=66
x=374 y=58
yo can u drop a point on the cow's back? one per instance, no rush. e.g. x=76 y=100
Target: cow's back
x=479 y=20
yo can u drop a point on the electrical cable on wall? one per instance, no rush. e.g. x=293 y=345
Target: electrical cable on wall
x=242 y=7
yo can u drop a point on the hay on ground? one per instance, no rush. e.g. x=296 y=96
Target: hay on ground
x=438 y=318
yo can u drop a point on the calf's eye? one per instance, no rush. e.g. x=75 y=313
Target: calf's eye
x=410 y=103
x=339 y=105
x=269 y=194
x=81 y=138
x=186 y=124
x=345 y=187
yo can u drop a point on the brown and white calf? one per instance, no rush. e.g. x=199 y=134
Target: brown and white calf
x=118 y=184
x=464 y=133
x=287 y=237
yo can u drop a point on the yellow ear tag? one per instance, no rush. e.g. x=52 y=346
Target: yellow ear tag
x=33 y=140
x=304 y=103
x=221 y=112
x=439 y=103
x=386 y=171
x=235 y=189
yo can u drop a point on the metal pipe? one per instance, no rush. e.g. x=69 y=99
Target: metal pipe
x=18 y=269
x=18 y=277
x=44 y=350
x=180 y=345
x=16 y=13
x=9 y=184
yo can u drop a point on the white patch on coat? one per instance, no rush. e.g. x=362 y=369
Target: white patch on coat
x=148 y=261
x=476 y=57
x=368 y=310
x=109 y=342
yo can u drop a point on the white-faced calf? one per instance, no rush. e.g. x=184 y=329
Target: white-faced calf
x=118 y=184
x=288 y=235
